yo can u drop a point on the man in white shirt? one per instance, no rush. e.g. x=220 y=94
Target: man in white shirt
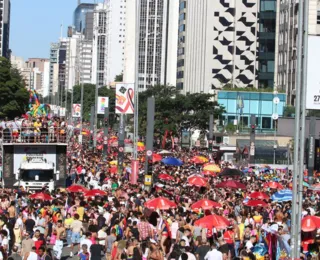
x=86 y=241
x=213 y=254
x=249 y=244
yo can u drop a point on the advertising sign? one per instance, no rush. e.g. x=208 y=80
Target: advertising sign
x=185 y=139
x=124 y=98
x=313 y=75
x=22 y=153
x=76 y=110
x=62 y=111
x=103 y=102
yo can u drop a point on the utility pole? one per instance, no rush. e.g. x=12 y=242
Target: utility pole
x=299 y=146
x=211 y=122
x=311 y=147
x=105 y=132
x=150 y=134
x=121 y=144
x=252 y=139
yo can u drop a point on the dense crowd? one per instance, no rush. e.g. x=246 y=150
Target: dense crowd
x=189 y=213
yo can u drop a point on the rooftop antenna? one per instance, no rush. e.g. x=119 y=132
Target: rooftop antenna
x=61 y=29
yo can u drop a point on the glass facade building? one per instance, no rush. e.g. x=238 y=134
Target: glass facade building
x=241 y=105
x=79 y=16
x=266 y=41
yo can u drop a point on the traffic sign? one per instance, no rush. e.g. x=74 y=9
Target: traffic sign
x=149 y=153
x=147 y=180
x=276 y=100
x=120 y=149
x=275 y=116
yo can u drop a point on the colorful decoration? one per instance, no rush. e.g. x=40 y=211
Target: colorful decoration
x=35 y=108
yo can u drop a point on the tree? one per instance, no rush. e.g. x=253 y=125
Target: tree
x=289 y=111
x=14 y=96
x=175 y=111
x=119 y=78
x=89 y=97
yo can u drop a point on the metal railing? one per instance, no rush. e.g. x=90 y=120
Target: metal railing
x=35 y=135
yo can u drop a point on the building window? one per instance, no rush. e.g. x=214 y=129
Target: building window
x=182 y=5
x=180 y=74
x=182 y=16
x=182 y=28
x=318 y=17
x=180 y=63
x=266 y=122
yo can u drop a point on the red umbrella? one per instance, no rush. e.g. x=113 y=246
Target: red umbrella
x=256 y=203
x=209 y=173
x=41 y=196
x=77 y=188
x=160 y=203
x=205 y=204
x=113 y=169
x=212 y=221
x=197 y=181
x=231 y=184
x=273 y=185
x=156 y=158
x=259 y=195
x=310 y=223
x=165 y=177
x=95 y=192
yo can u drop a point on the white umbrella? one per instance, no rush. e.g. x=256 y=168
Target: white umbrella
x=165 y=152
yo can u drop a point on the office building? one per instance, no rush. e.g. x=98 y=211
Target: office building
x=286 y=47
x=5 y=6
x=222 y=43
x=80 y=16
x=157 y=43
x=108 y=41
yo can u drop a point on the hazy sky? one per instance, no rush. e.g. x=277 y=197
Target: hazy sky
x=36 y=23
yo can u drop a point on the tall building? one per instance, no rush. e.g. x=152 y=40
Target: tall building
x=219 y=43
x=5 y=7
x=35 y=72
x=80 y=16
x=286 y=56
x=108 y=41
x=157 y=43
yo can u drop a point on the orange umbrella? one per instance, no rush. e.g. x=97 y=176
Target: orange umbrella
x=199 y=160
x=197 y=181
x=273 y=185
x=212 y=221
x=205 y=204
x=209 y=173
x=160 y=203
x=211 y=167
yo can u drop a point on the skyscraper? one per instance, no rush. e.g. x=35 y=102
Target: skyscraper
x=80 y=16
x=286 y=47
x=5 y=6
x=157 y=43
x=222 y=42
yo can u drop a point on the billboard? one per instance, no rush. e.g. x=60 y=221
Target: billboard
x=124 y=98
x=313 y=75
x=103 y=102
x=21 y=153
x=76 y=110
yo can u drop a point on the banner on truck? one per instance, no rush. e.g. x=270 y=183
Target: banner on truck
x=22 y=153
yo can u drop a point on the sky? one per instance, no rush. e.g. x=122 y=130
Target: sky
x=37 y=23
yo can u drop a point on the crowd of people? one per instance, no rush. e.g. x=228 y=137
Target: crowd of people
x=122 y=222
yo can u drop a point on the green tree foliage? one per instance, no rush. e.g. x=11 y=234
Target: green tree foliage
x=119 y=78
x=89 y=97
x=175 y=111
x=14 y=97
x=289 y=111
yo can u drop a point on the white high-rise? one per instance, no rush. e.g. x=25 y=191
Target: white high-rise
x=157 y=42
x=108 y=41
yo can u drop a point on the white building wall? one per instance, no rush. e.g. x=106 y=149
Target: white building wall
x=72 y=61
x=46 y=78
x=116 y=38
x=129 y=48
x=172 y=47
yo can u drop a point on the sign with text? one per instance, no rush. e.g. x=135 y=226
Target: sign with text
x=125 y=98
